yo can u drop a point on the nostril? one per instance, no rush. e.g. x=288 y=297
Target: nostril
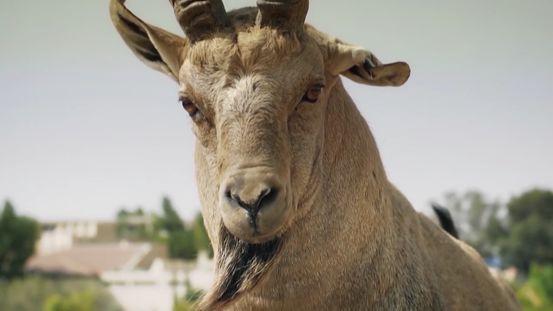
x=228 y=195
x=266 y=197
x=235 y=198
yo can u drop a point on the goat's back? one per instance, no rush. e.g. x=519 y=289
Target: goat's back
x=465 y=281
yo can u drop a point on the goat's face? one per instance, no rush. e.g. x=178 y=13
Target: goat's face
x=257 y=94
x=257 y=105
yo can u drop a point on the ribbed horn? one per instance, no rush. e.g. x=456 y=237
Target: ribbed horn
x=200 y=18
x=285 y=14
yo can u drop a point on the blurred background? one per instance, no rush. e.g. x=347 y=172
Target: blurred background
x=99 y=207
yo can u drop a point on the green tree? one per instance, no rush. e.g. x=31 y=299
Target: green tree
x=200 y=235
x=170 y=220
x=182 y=245
x=477 y=220
x=180 y=239
x=134 y=225
x=530 y=232
x=18 y=236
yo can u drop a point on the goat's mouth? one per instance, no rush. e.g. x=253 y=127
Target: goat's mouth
x=240 y=266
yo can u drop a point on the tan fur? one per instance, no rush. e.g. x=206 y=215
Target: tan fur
x=350 y=240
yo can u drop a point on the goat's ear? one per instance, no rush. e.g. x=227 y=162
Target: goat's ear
x=157 y=48
x=362 y=66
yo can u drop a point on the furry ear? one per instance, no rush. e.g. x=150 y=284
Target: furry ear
x=362 y=66
x=157 y=48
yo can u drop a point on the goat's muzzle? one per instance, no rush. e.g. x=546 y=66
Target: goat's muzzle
x=253 y=204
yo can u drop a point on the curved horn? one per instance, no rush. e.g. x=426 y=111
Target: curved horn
x=200 y=18
x=287 y=14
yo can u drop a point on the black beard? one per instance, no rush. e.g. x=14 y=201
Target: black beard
x=240 y=266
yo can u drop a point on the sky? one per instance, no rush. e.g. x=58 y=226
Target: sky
x=86 y=129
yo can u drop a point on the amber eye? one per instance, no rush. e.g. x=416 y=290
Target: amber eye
x=312 y=95
x=189 y=106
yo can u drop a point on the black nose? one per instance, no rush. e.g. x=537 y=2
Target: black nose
x=253 y=206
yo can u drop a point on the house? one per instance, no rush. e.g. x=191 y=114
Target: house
x=139 y=275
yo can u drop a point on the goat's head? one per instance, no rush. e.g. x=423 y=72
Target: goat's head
x=256 y=83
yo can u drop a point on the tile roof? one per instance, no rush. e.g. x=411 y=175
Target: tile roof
x=89 y=259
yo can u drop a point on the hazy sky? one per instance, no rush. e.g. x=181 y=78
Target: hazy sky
x=85 y=128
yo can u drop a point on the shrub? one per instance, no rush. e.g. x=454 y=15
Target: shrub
x=40 y=293
x=536 y=294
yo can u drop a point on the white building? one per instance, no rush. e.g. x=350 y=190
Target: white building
x=155 y=289
x=60 y=236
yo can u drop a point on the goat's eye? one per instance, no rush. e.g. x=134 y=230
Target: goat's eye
x=189 y=106
x=313 y=93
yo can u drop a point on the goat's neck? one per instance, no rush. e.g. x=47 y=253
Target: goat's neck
x=354 y=183
x=345 y=224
